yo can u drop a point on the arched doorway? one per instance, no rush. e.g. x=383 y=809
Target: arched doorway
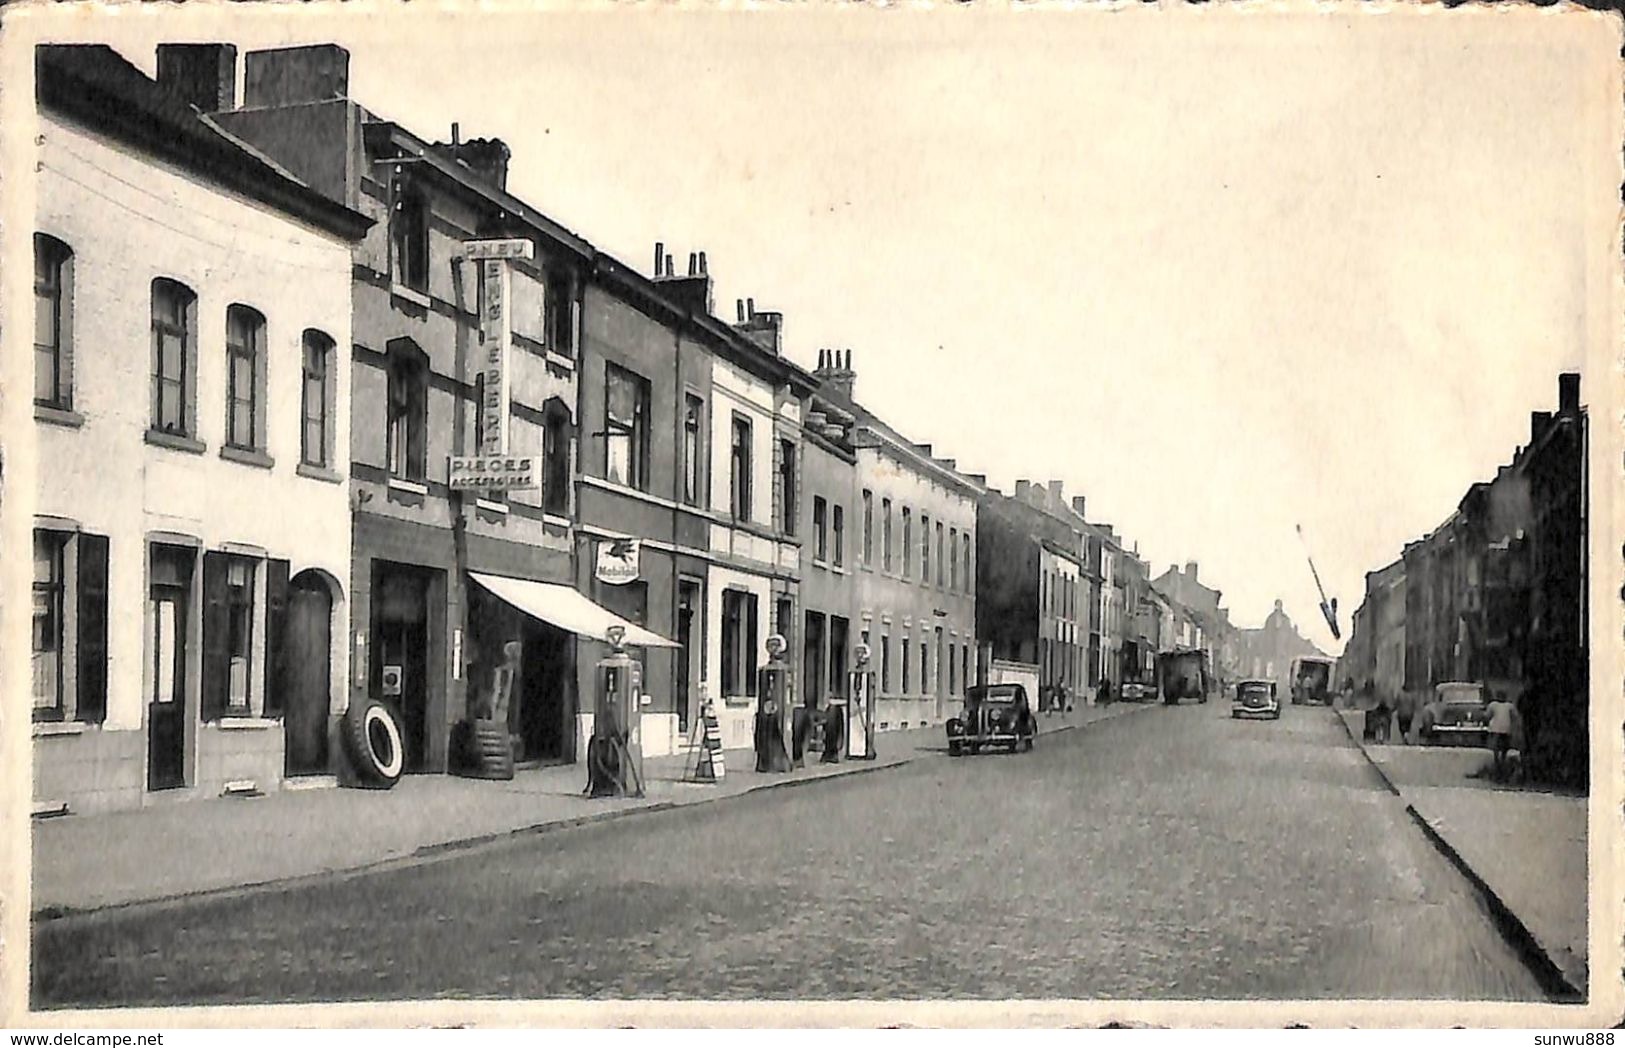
x=309 y=684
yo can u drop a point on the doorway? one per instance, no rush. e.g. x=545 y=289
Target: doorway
x=812 y=660
x=400 y=668
x=688 y=599
x=544 y=719
x=169 y=619
x=308 y=654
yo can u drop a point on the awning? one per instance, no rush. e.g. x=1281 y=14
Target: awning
x=567 y=609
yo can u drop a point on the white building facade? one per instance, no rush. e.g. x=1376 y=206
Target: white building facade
x=193 y=526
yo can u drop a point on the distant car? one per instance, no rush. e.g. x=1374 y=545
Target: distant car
x=1458 y=715
x=994 y=715
x=1256 y=698
x=1135 y=691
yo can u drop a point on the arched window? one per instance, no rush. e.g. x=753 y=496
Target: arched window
x=245 y=378
x=174 y=358
x=316 y=399
x=53 y=323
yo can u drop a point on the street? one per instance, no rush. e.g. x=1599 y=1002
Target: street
x=1170 y=853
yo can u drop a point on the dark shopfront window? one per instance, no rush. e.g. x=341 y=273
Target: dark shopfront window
x=739 y=643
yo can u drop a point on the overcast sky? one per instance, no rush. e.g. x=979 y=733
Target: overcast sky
x=1222 y=275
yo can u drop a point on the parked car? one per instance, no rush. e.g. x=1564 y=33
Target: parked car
x=1137 y=691
x=994 y=715
x=1255 y=698
x=1458 y=715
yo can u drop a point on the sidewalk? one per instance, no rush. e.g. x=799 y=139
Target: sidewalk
x=1525 y=849
x=169 y=850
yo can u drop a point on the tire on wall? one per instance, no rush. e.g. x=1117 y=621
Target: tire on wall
x=374 y=742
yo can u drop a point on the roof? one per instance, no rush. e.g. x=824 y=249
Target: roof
x=95 y=86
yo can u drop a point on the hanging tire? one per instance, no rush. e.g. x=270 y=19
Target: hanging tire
x=375 y=742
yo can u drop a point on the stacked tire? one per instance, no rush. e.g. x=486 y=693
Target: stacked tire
x=375 y=743
x=488 y=752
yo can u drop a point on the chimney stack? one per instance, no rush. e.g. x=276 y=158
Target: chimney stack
x=836 y=373
x=693 y=264
x=765 y=329
x=1538 y=421
x=660 y=258
x=1568 y=394
x=290 y=76
x=486 y=157
x=1190 y=569
x=1078 y=504
x=203 y=75
x=691 y=292
x=1024 y=490
x=1055 y=493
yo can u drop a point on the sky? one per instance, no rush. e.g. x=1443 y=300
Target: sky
x=1223 y=275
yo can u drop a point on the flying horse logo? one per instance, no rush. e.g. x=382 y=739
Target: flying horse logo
x=618 y=561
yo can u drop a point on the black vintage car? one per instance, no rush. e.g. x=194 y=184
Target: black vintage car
x=995 y=715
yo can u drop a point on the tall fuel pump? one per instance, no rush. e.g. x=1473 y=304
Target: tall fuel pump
x=860 y=724
x=772 y=689
x=615 y=752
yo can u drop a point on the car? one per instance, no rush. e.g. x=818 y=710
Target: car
x=994 y=715
x=1255 y=698
x=1458 y=715
x=1136 y=691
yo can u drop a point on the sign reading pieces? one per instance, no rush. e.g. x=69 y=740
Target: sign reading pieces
x=617 y=561
x=493 y=469
x=491 y=472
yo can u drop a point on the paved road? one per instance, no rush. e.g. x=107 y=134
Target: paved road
x=1171 y=853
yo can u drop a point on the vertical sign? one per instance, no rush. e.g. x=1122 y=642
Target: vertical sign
x=494 y=332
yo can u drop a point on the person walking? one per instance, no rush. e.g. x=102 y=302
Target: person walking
x=1500 y=733
x=1405 y=714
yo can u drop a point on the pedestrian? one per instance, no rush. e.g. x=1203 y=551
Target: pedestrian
x=1405 y=714
x=1500 y=733
x=1384 y=720
x=1105 y=695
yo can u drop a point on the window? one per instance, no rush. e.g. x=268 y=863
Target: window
x=970 y=579
x=626 y=427
x=940 y=569
x=953 y=568
x=908 y=544
x=559 y=304
x=239 y=631
x=885 y=663
x=953 y=668
x=228 y=634
x=316 y=399
x=245 y=367
x=903 y=653
x=69 y=649
x=925 y=549
x=408 y=413
x=174 y=345
x=885 y=537
x=925 y=668
x=868 y=528
x=964 y=665
x=693 y=411
x=556 y=459
x=840 y=536
x=409 y=238
x=739 y=469
x=787 y=486
x=53 y=322
x=820 y=529
x=48 y=656
x=738 y=643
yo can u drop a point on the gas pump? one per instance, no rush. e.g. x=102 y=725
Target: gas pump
x=772 y=687
x=860 y=730
x=615 y=753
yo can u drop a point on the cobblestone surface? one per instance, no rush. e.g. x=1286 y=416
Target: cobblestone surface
x=1172 y=854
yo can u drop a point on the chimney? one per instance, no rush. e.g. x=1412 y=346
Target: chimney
x=660 y=258
x=1538 y=421
x=1024 y=489
x=764 y=329
x=203 y=75
x=1190 y=570
x=1568 y=394
x=486 y=157
x=1078 y=503
x=1055 y=493
x=290 y=76
x=691 y=292
x=836 y=374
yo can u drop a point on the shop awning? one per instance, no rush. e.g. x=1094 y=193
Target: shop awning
x=567 y=609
